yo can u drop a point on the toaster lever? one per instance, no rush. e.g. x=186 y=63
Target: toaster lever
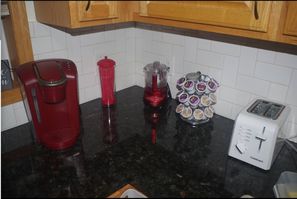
x=261 y=138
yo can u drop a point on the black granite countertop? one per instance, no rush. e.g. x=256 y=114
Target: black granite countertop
x=180 y=161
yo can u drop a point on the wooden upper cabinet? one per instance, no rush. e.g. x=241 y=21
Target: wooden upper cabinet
x=248 y=15
x=94 y=10
x=77 y=14
x=290 y=25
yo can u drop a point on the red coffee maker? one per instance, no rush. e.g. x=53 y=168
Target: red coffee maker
x=49 y=90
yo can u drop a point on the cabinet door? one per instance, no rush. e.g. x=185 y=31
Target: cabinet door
x=94 y=10
x=290 y=27
x=250 y=15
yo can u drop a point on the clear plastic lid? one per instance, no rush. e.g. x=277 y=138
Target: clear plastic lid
x=156 y=69
x=286 y=185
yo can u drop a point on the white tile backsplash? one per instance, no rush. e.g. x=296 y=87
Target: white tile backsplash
x=130 y=49
x=204 y=44
x=41 y=45
x=55 y=54
x=224 y=48
x=285 y=59
x=292 y=92
x=247 y=60
x=91 y=39
x=215 y=73
x=293 y=114
x=20 y=115
x=224 y=108
x=234 y=96
x=173 y=38
x=92 y=92
x=273 y=73
x=8 y=119
x=81 y=96
x=244 y=73
x=176 y=62
x=109 y=35
x=73 y=47
x=130 y=32
x=252 y=85
x=266 y=56
x=58 y=39
x=190 y=67
x=190 y=49
x=291 y=131
x=277 y=92
x=161 y=48
x=235 y=111
x=41 y=30
x=230 y=71
x=209 y=58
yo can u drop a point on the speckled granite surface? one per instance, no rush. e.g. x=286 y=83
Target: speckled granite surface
x=117 y=147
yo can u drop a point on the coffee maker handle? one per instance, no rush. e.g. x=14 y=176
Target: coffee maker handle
x=35 y=102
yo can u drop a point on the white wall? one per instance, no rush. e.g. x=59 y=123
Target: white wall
x=244 y=73
x=4 y=50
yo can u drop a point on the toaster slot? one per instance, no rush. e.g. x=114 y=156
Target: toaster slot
x=266 y=109
x=274 y=111
x=259 y=107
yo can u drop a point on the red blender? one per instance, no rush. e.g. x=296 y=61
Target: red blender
x=156 y=87
x=107 y=74
x=156 y=93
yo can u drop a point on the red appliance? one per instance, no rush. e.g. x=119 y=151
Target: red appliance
x=156 y=87
x=157 y=117
x=109 y=125
x=49 y=89
x=107 y=73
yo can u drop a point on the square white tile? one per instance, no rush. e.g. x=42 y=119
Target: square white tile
x=225 y=48
x=190 y=51
x=267 y=56
x=273 y=73
x=292 y=92
x=41 y=45
x=247 y=60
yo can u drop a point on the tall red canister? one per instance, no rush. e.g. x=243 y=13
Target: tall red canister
x=107 y=77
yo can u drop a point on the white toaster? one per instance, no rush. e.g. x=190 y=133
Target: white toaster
x=257 y=133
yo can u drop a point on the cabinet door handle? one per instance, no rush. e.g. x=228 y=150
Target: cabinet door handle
x=256 y=10
x=88 y=5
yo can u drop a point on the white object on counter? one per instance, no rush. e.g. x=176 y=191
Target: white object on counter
x=131 y=193
x=256 y=138
x=286 y=186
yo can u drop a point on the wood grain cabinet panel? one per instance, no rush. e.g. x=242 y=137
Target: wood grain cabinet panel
x=248 y=15
x=94 y=10
x=78 y=14
x=290 y=27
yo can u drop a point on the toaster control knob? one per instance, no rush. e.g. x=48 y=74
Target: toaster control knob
x=241 y=147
